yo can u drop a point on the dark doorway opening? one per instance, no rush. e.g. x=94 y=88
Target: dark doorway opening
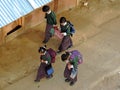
x=14 y=29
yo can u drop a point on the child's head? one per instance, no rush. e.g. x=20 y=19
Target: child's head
x=62 y=20
x=42 y=50
x=45 y=8
x=65 y=56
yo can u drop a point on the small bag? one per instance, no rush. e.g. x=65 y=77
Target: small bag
x=73 y=74
x=52 y=31
x=58 y=33
x=49 y=70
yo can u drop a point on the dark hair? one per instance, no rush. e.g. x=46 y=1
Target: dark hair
x=45 y=8
x=42 y=50
x=64 y=56
x=62 y=20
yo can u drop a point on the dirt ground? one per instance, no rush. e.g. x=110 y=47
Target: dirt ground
x=110 y=82
x=96 y=28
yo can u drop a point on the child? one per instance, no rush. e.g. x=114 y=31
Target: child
x=71 y=69
x=45 y=60
x=51 y=22
x=65 y=30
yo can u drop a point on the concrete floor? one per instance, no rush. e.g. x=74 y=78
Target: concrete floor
x=97 y=37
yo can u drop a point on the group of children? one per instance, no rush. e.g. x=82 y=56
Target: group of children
x=71 y=58
x=64 y=27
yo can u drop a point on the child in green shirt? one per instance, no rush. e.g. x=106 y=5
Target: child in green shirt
x=45 y=61
x=71 y=69
x=50 y=23
x=66 y=40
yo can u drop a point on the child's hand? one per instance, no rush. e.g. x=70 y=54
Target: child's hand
x=69 y=66
x=55 y=26
x=42 y=61
x=64 y=34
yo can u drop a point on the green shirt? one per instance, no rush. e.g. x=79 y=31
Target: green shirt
x=74 y=62
x=46 y=57
x=51 y=18
x=65 y=28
